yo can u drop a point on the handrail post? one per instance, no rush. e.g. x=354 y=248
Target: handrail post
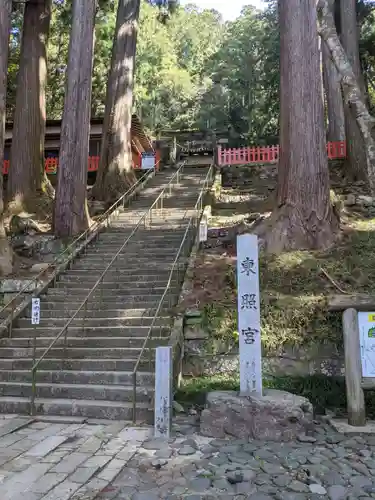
x=134 y=396
x=84 y=317
x=33 y=376
x=33 y=391
x=101 y=292
x=65 y=340
x=11 y=321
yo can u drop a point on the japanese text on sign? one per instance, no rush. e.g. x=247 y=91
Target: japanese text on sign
x=249 y=314
x=35 y=311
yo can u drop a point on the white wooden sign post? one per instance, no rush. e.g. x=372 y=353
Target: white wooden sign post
x=249 y=314
x=163 y=391
x=35 y=311
x=203 y=230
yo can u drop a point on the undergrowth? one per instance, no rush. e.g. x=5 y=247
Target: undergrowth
x=323 y=392
x=293 y=287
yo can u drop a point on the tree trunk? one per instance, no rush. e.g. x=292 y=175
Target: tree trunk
x=115 y=173
x=28 y=185
x=353 y=96
x=335 y=104
x=71 y=213
x=303 y=218
x=6 y=256
x=350 y=42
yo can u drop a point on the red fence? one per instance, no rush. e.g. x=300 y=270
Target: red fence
x=51 y=164
x=269 y=154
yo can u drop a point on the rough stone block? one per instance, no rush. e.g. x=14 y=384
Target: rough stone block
x=276 y=416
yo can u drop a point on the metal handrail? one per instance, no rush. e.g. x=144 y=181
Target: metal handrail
x=103 y=218
x=198 y=207
x=99 y=281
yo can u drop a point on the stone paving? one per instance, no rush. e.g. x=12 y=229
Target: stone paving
x=62 y=461
x=111 y=461
x=323 y=465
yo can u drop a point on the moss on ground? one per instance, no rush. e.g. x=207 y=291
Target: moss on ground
x=323 y=392
x=294 y=289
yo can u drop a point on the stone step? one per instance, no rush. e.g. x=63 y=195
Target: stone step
x=140 y=331
x=73 y=352
x=87 y=364
x=118 y=298
x=110 y=410
x=110 y=309
x=107 y=289
x=108 y=342
x=109 y=282
x=153 y=241
x=125 y=302
x=145 y=273
x=79 y=377
x=139 y=264
x=78 y=322
x=126 y=258
x=132 y=250
x=99 y=392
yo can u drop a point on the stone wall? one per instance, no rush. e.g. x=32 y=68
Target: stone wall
x=205 y=355
x=241 y=176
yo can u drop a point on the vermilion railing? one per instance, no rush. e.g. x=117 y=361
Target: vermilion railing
x=269 y=154
x=51 y=164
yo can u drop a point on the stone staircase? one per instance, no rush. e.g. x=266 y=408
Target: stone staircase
x=91 y=374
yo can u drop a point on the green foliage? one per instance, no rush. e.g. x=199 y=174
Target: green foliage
x=193 y=70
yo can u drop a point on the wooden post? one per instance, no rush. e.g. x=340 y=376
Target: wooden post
x=353 y=371
x=163 y=391
x=249 y=314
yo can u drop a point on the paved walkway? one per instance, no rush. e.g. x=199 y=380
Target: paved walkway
x=108 y=461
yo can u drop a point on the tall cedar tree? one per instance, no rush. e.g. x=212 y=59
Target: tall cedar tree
x=334 y=98
x=350 y=42
x=71 y=213
x=354 y=97
x=115 y=172
x=27 y=181
x=303 y=218
x=6 y=255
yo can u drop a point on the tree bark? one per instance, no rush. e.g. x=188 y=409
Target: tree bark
x=303 y=218
x=335 y=104
x=353 y=96
x=115 y=173
x=350 y=43
x=6 y=256
x=28 y=184
x=71 y=213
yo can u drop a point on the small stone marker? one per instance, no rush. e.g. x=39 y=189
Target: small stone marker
x=203 y=230
x=249 y=314
x=163 y=391
x=35 y=311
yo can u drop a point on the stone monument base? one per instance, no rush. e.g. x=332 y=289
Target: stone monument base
x=275 y=416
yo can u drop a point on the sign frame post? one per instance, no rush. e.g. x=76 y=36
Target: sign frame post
x=248 y=303
x=163 y=392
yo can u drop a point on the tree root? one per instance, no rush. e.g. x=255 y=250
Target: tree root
x=288 y=230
